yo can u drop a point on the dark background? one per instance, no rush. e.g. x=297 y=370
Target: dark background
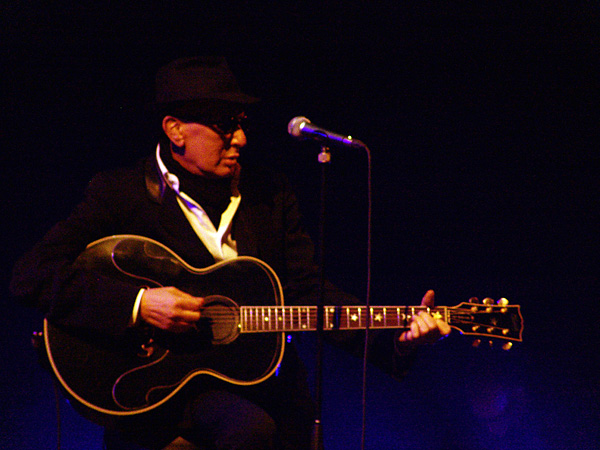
x=481 y=120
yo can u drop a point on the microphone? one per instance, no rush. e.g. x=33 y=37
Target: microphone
x=301 y=127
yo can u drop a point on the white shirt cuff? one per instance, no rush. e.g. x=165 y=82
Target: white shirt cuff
x=136 y=307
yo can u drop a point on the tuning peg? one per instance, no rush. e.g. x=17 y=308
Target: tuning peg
x=489 y=302
x=503 y=303
x=507 y=346
x=475 y=300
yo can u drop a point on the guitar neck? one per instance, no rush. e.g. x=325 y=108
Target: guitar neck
x=258 y=319
x=492 y=320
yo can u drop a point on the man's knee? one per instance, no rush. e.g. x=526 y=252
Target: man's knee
x=232 y=422
x=256 y=433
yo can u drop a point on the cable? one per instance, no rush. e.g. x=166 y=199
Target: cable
x=368 y=299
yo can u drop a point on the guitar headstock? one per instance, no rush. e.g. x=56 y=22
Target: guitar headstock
x=496 y=320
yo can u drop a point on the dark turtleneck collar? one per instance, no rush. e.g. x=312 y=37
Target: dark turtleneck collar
x=213 y=195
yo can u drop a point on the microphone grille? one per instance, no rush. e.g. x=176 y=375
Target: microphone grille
x=295 y=125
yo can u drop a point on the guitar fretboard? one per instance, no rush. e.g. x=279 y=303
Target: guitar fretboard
x=304 y=318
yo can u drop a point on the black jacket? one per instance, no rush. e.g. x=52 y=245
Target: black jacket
x=267 y=226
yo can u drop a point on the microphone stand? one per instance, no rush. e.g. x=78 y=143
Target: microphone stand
x=317 y=437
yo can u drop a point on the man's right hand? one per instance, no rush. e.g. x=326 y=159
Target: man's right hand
x=170 y=309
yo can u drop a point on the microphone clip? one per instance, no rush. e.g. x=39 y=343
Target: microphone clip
x=325 y=155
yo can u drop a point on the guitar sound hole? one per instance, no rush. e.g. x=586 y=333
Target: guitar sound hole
x=223 y=315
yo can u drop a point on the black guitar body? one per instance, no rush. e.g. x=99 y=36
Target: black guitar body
x=239 y=339
x=123 y=377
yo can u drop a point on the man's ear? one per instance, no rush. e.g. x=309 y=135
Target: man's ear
x=172 y=128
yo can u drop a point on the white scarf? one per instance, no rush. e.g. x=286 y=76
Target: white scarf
x=218 y=241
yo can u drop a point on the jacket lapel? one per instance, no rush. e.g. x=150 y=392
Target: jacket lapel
x=177 y=231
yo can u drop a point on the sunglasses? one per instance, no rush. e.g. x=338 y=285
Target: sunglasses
x=230 y=125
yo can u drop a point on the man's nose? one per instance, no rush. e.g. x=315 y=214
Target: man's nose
x=239 y=138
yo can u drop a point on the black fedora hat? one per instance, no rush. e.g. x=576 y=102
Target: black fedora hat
x=199 y=79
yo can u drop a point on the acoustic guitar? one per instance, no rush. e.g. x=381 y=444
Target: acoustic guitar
x=240 y=338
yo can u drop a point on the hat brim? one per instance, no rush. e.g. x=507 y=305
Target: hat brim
x=230 y=97
x=205 y=110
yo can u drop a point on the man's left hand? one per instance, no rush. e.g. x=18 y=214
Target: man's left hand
x=424 y=329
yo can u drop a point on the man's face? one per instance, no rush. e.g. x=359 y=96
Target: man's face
x=211 y=150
